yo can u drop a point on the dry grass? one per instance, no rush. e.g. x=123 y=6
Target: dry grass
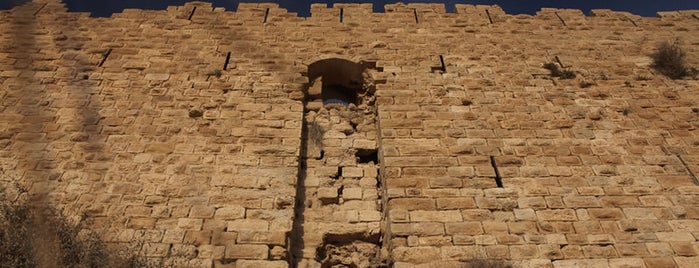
x=557 y=72
x=316 y=133
x=670 y=60
x=40 y=236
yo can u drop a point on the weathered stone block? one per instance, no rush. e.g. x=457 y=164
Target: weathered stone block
x=440 y=216
x=261 y=237
x=237 y=251
x=466 y=228
x=229 y=213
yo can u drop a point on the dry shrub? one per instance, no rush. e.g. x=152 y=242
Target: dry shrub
x=557 y=72
x=670 y=60
x=40 y=236
x=316 y=133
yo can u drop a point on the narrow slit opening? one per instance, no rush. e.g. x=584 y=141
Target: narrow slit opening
x=228 y=58
x=192 y=14
x=104 y=57
x=561 y=19
x=487 y=13
x=498 y=179
x=417 y=21
x=266 y=15
x=39 y=9
x=441 y=61
x=636 y=25
x=342 y=13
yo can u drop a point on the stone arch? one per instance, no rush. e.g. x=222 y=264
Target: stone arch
x=336 y=80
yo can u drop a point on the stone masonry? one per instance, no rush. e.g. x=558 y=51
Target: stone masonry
x=413 y=137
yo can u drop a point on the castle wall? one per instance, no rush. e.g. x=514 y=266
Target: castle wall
x=133 y=121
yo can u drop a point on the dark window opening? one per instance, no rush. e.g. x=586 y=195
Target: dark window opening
x=367 y=155
x=342 y=81
x=337 y=94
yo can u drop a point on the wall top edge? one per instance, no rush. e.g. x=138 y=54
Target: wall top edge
x=364 y=8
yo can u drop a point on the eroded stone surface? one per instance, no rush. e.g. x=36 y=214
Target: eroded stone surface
x=132 y=121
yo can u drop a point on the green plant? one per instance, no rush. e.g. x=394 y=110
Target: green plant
x=557 y=72
x=670 y=60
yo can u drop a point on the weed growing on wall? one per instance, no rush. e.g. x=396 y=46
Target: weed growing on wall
x=670 y=60
x=316 y=133
x=558 y=72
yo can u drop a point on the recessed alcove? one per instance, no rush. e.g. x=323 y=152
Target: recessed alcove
x=342 y=81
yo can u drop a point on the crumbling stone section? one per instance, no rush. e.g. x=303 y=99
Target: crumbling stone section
x=339 y=208
x=203 y=136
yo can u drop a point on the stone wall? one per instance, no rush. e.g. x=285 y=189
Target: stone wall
x=194 y=132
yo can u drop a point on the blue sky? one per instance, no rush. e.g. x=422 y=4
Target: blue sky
x=645 y=8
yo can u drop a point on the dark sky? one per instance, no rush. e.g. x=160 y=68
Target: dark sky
x=646 y=8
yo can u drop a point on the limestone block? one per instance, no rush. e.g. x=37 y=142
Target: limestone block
x=605 y=213
x=412 y=203
x=419 y=229
x=525 y=214
x=158 y=77
x=237 y=251
x=261 y=237
x=352 y=172
x=211 y=252
x=455 y=203
x=247 y=224
x=416 y=254
x=197 y=237
x=675 y=237
x=440 y=216
x=203 y=212
x=155 y=249
x=445 y=183
x=519 y=252
x=371 y=172
x=190 y=224
x=465 y=228
x=369 y=215
x=659 y=262
x=686 y=261
x=327 y=194
x=581 y=201
x=587 y=263
x=229 y=213
x=556 y=215
x=354 y=193
x=173 y=236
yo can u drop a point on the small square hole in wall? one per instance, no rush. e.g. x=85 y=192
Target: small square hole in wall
x=365 y=156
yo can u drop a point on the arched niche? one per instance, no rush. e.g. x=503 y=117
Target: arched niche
x=338 y=81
